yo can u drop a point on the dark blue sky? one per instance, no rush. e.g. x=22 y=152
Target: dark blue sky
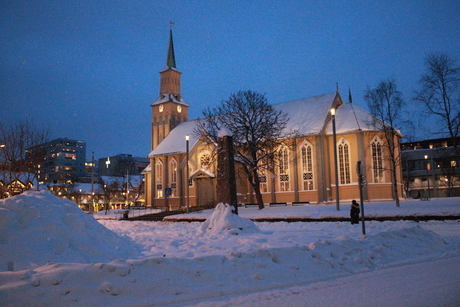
x=89 y=69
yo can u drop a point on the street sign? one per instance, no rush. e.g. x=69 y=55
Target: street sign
x=168 y=191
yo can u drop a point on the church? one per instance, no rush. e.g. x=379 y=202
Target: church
x=307 y=171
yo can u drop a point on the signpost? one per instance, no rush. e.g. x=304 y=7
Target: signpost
x=361 y=182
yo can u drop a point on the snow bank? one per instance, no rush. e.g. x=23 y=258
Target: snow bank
x=37 y=227
x=169 y=279
x=223 y=221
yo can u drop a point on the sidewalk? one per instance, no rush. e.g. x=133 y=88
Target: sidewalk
x=436 y=209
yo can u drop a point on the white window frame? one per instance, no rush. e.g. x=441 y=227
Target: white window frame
x=307 y=166
x=378 y=174
x=343 y=152
x=283 y=169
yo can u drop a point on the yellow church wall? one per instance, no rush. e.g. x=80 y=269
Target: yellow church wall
x=379 y=191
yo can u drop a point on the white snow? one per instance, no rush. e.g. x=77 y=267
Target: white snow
x=128 y=263
x=224 y=132
x=223 y=222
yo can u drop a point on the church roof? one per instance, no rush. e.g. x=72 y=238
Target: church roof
x=174 y=142
x=307 y=116
x=352 y=118
x=163 y=98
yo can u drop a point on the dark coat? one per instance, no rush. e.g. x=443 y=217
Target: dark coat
x=354 y=213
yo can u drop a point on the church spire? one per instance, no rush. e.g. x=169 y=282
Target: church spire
x=170 y=59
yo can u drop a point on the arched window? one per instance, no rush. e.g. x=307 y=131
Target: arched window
x=306 y=156
x=159 y=178
x=190 y=172
x=283 y=160
x=263 y=181
x=343 y=149
x=173 y=177
x=377 y=160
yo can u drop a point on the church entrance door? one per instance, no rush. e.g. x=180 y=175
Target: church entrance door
x=205 y=192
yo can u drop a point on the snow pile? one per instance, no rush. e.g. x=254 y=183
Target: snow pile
x=37 y=227
x=223 y=221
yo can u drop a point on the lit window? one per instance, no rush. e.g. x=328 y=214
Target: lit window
x=344 y=162
x=306 y=153
x=263 y=181
x=173 y=176
x=159 y=178
x=283 y=159
x=377 y=160
x=205 y=160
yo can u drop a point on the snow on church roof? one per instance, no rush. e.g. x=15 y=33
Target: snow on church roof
x=163 y=98
x=306 y=117
x=174 y=142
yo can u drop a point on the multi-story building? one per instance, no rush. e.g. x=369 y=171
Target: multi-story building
x=59 y=161
x=431 y=168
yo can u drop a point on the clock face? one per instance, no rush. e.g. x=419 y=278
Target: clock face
x=179 y=109
x=161 y=108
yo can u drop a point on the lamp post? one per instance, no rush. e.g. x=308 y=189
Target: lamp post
x=428 y=166
x=187 y=172
x=337 y=199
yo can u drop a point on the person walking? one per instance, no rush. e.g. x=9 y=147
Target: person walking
x=354 y=212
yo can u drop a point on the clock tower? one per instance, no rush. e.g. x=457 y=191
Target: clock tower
x=169 y=109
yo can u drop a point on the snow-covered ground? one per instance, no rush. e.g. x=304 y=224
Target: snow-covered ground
x=52 y=254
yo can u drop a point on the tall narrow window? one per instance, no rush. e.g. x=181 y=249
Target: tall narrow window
x=283 y=159
x=377 y=160
x=344 y=162
x=190 y=172
x=263 y=181
x=173 y=177
x=159 y=178
x=306 y=153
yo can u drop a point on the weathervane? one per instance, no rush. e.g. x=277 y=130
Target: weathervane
x=170 y=24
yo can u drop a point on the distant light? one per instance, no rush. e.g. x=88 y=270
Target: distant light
x=187 y=137
x=333 y=112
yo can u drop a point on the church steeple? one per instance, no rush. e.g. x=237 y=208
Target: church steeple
x=170 y=59
x=170 y=76
x=169 y=109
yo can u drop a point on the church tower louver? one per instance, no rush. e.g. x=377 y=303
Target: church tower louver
x=169 y=109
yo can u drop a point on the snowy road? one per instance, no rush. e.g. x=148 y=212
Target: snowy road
x=430 y=283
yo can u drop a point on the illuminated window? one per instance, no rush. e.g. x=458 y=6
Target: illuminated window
x=283 y=159
x=190 y=171
x=306 y=153
x=70 y=156
x=263 y=181
x=205 y=160
x=159 y=178
x=377 y=160
x=173 y=176
x=344 y=162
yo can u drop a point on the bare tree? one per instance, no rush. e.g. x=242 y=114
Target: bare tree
x=440 y=92
x=16 y=160
x=257 y=128
x=385 y=103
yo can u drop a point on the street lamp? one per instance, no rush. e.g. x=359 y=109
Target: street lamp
x=187 y=138
x=427 y=175
x=337 y=201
